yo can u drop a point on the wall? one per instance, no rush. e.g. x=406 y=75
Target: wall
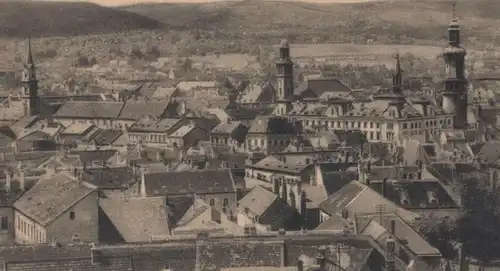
x=27 y=231
x=7 y=235
x=85 y=224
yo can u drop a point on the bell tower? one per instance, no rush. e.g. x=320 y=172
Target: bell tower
x=284 y=79
x=455 y=83
x=30 y=85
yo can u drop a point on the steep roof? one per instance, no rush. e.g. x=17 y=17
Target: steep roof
x=189 y=182
x=137 y=219
x=137 y=109
x=90 y=109
x=50 y=197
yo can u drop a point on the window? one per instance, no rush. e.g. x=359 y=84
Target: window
x=5 y=223
x=225 y=202
x=212 y=202
x=72 y=215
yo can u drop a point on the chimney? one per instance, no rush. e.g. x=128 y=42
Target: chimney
x=346 y=157
x=283 y=255
x=22 y=180
x=320 y=259
x=7 y=181
x=276 y=186
x=300 y=265
x=393 y=226
x=143 y=183
x=384 y=187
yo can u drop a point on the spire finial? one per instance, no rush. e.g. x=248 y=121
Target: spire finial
x=29 y=60
x=454 y=9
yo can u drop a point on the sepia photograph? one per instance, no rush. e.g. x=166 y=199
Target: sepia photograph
x=249 y=135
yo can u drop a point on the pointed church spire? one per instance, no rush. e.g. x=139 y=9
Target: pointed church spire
x=454 y=28
x=397 y=77
x=29 y=59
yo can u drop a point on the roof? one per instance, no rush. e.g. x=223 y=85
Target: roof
x=90 y=109
x=77 y=128
x=272 y=125
x=110 y=178
x=319 y=86
x=107 y=137
x=416 y=194
x=163 y=125
x=258 y=200
x=189 y=182
x=7 y=198
x=88 y=157
x=182 y=131
x=357 y=198
x=370 y=225
x=226 y=128
x=52 y=196
x=198 y=207
x=137 y=109
x=137 y=219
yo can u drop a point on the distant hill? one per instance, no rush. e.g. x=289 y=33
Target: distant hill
x=411 y=19
x=22 y=18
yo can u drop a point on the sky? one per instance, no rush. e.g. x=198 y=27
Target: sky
x=128 y=2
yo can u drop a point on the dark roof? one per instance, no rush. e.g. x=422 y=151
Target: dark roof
x=107 y=137
x=94 y=155
x=137 y=109
x=457 y=173
x=110 y=178
x=189 y=182
x=334 y=181
x=490 y=152
x=108 y=110
x=352 y=138
x=320 y=86
x=418 y=194
x=338 y=201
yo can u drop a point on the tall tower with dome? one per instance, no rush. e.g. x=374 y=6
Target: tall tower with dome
x=455 y=83
x=284 y=79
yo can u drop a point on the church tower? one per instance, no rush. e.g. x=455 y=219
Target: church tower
x=455 y=83
x=284 y=78
x=397 y=77
x=30 y=85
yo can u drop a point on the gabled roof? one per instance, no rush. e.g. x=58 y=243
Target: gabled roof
x=358 y=198
x=136 y=109
x=110 y=178
x=137 y=219
x=321 y=85
x=91 y=109
x=226 y=128
x=51 y=196
x=189 y=182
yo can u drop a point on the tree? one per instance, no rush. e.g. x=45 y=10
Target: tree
x=440 y=232
x=478 y=226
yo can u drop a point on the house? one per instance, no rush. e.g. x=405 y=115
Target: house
x=265 y=211
x=8 y=195
x=153 y=132
x=315 y=88
x=58 y=208
x=110 y=178
x=215 y=187
x=230 y=135
x=270 y=134
x=187 y=136
x=78 y=134
x=102 y=114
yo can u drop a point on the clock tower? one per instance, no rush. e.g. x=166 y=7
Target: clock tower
x=284 y=80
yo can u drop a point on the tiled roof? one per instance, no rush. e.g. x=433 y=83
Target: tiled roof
x=418 y=194
x=92 y=109
x=107 y=137
x=94 y=155
x=137 y=219
x=52 y=196
x=320 y=86
x=226 y=128
x=358 y=198
x=189 y=182
x=137 y=109
x=258 y=200
x=110 y=178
